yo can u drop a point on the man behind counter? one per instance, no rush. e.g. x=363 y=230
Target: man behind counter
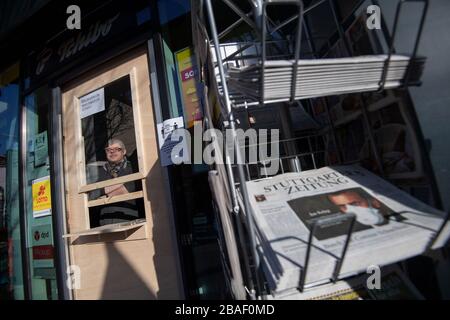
x=116 y=166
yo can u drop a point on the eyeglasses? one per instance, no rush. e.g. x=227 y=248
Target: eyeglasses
x=111 y=150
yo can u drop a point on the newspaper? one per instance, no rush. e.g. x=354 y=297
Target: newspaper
x=389 y=225
x=393 y=284
x=321 y=77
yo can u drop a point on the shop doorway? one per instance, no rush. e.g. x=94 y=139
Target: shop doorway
x=119 y=226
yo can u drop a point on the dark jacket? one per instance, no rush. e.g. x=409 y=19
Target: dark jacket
x=119 y=211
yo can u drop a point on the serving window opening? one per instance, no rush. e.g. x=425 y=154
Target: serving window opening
x=110 y=152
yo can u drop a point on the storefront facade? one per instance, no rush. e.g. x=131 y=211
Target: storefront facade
x=74 y=227
x=65 y=105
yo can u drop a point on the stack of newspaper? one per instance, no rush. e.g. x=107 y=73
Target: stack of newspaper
x=388 y=283
x=389 y=225
x=322 y=77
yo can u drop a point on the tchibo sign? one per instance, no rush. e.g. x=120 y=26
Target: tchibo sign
x=84 y=39
x=75 y=44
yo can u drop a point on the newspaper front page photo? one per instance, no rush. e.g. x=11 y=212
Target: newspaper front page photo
x=388 y=225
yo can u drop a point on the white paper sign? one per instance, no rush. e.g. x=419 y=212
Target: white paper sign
x=166 y=145
x=92 y=103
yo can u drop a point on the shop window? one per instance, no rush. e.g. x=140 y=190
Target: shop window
x=38 y=197
x=108 y=135
x=117 y=215
x=106 y=151
x=11 y=280
x=195 y=217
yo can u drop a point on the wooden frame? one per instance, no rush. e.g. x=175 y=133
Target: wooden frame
x=115 y=199
x=135 y=259
x=111 y=228
x=111 y=182
x=73 y=132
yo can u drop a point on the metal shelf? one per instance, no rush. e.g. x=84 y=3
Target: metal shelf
x=215 y=58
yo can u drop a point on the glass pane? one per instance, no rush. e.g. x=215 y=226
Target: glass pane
x=193 y=202
x=38 y=197
x=108 y=132
x=11 y=280
x=179 y=62
x=172 y=9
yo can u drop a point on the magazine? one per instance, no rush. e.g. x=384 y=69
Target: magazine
x=388 y=225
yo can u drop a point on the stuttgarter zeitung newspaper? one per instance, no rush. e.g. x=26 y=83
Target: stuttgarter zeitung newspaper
x=390 y=225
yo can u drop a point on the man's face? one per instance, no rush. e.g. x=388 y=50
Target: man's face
x=348 y=198
x=114 y=153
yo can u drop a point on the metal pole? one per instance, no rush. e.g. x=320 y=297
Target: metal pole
x=291 y=145
x=258 y=12
x=340 y=262
x=243 y=185
x=26 y=263
x=327 y=105
x=58 y=203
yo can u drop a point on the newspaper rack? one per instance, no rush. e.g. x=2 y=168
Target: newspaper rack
x=339 y=261
x=227 y=181
x=256 y=55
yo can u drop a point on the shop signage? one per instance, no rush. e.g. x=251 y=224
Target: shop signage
x=42 y=249
x=166 y=143
x=42 y=235
x=100 y=31
x=84 y=39
x=187 y=71
x=42 y=201
x=42 y=253
x=74 y=44
x=40 y=149
x=92 y=103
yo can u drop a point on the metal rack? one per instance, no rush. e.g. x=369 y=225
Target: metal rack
x=304 y=152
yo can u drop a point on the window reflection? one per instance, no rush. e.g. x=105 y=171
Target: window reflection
x=110 y=151
x=40 y=244
x=11 y=281
x=108 y=134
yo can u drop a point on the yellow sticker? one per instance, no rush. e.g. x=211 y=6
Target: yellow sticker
x=42 y=199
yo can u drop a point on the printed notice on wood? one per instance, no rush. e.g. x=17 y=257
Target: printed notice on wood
x=92 y=103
